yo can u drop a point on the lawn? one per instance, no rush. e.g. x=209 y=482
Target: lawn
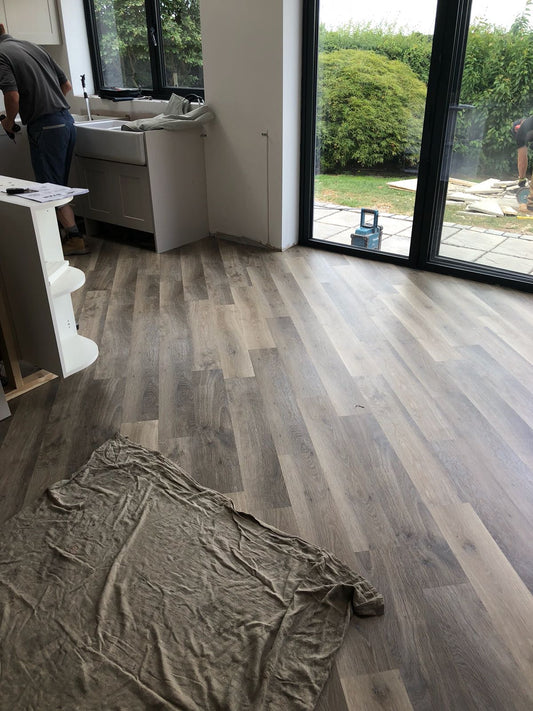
x=373 y=192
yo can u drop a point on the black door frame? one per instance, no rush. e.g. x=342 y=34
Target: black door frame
x=444 y=84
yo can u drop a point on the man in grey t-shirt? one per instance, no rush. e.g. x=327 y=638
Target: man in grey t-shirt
x=35 y=87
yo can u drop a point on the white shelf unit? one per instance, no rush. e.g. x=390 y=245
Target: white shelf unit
x=38 y=283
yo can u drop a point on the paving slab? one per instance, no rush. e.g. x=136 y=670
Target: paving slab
x=454 y=252
x=504 y=261
x=483 y=241
x=515 y=248
x=491 y=247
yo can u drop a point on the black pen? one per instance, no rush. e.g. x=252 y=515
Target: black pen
x=18 y=191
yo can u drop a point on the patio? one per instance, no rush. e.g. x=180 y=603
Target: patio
x=492 y=247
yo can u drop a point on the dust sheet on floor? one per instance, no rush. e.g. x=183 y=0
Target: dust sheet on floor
x=131 y=586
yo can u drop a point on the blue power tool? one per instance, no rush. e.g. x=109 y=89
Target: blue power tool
x=368 y=234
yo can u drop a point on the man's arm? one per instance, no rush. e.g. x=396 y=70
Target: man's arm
x=66 y=86
x=11 y=102
x=522 y=162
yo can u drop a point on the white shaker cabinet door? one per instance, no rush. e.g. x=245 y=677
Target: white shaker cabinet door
x=32 y=20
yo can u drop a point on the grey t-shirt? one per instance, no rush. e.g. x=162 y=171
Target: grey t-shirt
x=28 y=69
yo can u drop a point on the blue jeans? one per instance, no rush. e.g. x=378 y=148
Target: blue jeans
x=52 y=138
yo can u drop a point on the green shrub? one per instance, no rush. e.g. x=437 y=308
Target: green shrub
x=370 y=111
x=411 y=48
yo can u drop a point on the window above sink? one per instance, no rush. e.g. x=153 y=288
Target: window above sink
x=149 y=45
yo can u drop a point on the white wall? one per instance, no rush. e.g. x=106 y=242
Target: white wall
x=73 y=55
x=251 y=54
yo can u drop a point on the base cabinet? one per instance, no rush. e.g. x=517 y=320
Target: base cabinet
x=119 y=193
x=166 y=197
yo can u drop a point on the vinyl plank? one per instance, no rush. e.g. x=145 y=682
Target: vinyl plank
x=484 y=663
x=99 y=418
x=495 y=410
x=179 y=450
x=201 y=317
x=332 y=697
x=281 y=519
x=93 y=315
x=421 y=326
x=144 y=433
x=496 y=583
x=377 y=692
x=251 y=311
x=235 y=264
x=232 y=349
x=142 y=367
x=504 y=370
x=216 y=279
x=21 y=445
x=516 y=339
x=405 y=640
x=367 y=523
x=497 y=464
x=344 y=340
x=423 y=467
x=456 y=332
x=317 y=515
x=212 y=440
x=259 y=465
x=330 y=367
x=114 y=346
x=387 y=484
x=176 y=408
x=510 y=528
x=410 y=389
x=194 y=286
x=263 y=282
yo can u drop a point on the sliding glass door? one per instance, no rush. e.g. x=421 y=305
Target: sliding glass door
x=484 y=225
x=407 y=148
x=372 y=74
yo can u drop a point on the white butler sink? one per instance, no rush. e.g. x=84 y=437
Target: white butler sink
x=105 y=140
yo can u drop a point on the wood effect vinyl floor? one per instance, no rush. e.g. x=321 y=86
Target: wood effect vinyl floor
x=382 y=413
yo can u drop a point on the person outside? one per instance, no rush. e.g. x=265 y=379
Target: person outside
x=523 y=133
x=35 y=87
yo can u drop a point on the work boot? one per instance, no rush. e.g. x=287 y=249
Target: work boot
x=75 y=245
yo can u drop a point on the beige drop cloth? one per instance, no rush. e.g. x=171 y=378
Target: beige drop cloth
x=130 y=586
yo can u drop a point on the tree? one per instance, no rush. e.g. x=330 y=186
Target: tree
x=370 y=111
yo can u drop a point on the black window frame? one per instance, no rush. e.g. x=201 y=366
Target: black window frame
x=154 y=40
x=449 y=47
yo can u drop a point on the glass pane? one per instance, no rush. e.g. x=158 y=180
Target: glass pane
x=182 y=43
x=373 y=68
x=483 y=222
x=122 y=36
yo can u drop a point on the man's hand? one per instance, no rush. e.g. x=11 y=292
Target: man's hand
x=13 y=127
x=8 y=126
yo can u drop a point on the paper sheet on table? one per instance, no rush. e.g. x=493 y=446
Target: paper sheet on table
x=47 y=192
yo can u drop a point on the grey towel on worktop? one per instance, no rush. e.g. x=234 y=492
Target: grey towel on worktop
x=176 y=117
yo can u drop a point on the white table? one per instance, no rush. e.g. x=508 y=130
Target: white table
x=36 y=313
